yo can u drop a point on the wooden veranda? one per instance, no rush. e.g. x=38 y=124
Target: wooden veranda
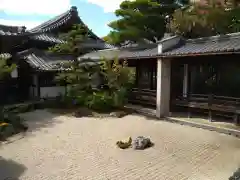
x=205 y=84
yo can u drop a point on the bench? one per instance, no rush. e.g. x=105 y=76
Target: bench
x=143 y=97
x=210 y=104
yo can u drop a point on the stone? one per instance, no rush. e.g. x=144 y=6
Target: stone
x=118 y=114
x=236 y=175
x=83 y=112
x=124 y=145
x=141 y=143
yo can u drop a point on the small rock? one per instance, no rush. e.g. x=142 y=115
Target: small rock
x=118 y=114
x=82 y=112
x=236 y=175
x=141 y=143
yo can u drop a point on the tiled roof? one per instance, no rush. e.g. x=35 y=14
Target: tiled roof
x=11 y=30
x=47 y=38
x=96 y=44
x=5 y=55
x=133 y=51
x=70 y=16
x=149 y=50
x=91 y=43
x=215 y=44
x=44 y=61
x=55 y=22
x=229 y=43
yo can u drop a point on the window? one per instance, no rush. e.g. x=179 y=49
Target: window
x=47 y=79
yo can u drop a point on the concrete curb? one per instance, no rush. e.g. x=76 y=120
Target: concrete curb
x=205 y=126
x=232 y=132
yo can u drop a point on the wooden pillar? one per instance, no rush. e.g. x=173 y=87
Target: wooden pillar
x=137 y=74
x=36 y=86
x=163 y=87
x=185 y=80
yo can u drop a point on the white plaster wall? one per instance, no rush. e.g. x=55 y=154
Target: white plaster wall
x=168 y=43
x=14 y=73
x=51 y=91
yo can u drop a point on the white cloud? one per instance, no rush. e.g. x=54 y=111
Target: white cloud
x=40 y=7
x=107 y=5
x=28 y=24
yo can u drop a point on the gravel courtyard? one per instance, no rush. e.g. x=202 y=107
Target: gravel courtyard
x=66 y=148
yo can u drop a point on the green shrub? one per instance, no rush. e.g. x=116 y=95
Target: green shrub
x=19 y=108
x=15 y=120
x=114 y=81
x=99 y=101
x=11 y=124
x=6 y=130
x=119 y=97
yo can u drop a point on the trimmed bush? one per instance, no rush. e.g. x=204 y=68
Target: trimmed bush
x=11 y=124
x=19 y=108
x=99 y=101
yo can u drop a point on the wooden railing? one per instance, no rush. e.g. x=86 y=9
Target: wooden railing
x=211 y=104
x=143 y=97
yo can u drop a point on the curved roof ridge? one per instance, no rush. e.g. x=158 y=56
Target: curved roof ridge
x=56 y=21
x=59 y=20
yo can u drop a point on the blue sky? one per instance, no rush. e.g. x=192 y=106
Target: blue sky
x=95 y=13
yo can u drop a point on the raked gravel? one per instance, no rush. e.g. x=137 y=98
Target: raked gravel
x=67 y=148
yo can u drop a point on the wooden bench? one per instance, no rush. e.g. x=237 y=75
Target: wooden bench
x=210 y=104
x=143 y=97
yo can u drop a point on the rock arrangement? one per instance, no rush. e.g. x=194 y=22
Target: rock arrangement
x=85 y=112
x=236 y=175
x=140 y=143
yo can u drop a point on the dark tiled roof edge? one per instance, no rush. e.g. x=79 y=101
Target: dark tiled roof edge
x=55 y=22
x=214 y=38
x=45 y=61
x=12 y=30
x=5 y=55
x=220 y=44
x=60 y=20
x=47 y=38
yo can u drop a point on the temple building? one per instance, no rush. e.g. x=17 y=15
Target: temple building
x=36 y=67
x=177 y=74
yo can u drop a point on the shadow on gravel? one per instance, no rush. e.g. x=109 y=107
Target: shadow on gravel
x=10 y=170
x=39 y=119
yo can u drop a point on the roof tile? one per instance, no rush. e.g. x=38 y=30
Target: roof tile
x=47 y=38
x=45 y=61
x=123 y=53
x=214 y=44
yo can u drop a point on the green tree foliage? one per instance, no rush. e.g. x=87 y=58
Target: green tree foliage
x=9 y=124
x=77 y=76
x=5 y=69
x=73 y=38
x=101 y=86
x=206 y=20
x=141 y=19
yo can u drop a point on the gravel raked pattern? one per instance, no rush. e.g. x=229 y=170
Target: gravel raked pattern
x=68 y=148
